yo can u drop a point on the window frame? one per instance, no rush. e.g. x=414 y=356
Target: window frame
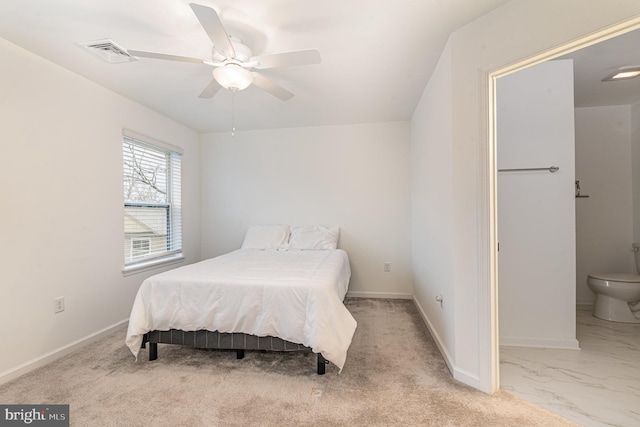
x=173 y=207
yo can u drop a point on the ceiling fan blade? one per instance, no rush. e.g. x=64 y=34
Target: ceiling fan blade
x=211 y=23
x=165 y=56
x=269 y=86
x=288 y=59
x=211 y=89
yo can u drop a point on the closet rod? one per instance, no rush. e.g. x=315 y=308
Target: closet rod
x=551 y=169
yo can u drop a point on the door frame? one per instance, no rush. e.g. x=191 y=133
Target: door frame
x=487 y=182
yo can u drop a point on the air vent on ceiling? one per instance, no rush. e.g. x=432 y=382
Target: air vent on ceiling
x=108 y=50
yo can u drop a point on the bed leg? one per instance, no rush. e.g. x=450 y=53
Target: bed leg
x=153 y=350
x=144 y=341
x=239 y=354
x=322 y=363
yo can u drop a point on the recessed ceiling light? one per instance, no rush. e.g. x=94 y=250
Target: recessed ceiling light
x=623 y=73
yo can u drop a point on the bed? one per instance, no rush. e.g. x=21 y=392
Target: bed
x=282 y=291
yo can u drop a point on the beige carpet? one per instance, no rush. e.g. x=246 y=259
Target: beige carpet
x=394 y=375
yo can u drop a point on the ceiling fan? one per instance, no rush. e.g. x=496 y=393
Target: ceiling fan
x=233 y=62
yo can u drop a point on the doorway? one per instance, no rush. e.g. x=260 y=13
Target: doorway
x=494 y=147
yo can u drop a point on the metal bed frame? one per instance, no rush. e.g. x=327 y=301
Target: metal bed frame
x=224 y=341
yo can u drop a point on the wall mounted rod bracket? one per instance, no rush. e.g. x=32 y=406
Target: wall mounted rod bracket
x=578 y=195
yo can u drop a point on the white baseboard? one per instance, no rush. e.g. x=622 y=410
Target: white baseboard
x=387 y=295
x=459 y=374
x=584 y=305
x=469 y=379
x=51 y=356
x=436 y=337
x=561 y=344
x=585 y=301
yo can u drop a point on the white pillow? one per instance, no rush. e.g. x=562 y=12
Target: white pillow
x=313 y=238
x=266 y=237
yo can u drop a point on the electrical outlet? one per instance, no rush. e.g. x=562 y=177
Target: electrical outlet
x=58 y=305
x=387 y=267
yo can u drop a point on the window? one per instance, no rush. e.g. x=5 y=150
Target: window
x=152 y=211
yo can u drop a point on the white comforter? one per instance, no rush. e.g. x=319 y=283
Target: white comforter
x=294 y=295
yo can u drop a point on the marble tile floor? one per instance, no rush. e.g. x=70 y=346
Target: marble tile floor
x=598 y=385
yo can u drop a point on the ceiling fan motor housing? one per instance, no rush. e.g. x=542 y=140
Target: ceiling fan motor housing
x=243 y=53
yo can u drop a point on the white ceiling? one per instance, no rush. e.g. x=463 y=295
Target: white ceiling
x=596 y=62
x=377 y=55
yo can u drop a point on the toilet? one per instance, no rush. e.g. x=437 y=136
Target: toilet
x=616 y=294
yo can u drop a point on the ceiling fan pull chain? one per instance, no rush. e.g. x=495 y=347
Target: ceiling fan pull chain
x=233 y=113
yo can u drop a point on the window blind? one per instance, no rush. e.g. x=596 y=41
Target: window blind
x=152 y=201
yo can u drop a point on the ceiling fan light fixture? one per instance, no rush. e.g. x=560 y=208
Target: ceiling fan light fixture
x=623 y=73
x=233 y=77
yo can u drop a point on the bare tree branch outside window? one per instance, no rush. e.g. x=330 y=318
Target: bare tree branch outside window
x=145 y=175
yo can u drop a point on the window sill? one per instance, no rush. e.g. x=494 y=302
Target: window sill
x=152 y=264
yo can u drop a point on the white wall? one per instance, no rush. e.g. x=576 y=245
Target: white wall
x=432 y=206
x=353 y=176
x=511 y=33
x=634 y=130
x=604 y=221
x=536 y=209
x=62 y=198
